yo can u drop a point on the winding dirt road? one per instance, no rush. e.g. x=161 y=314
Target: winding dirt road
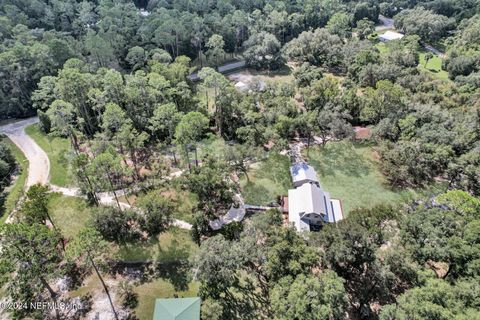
x=38 y=163
x=39 y=166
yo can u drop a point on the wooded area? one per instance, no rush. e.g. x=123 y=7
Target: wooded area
x=110 y=83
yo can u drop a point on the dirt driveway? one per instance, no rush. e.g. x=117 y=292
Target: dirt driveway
x=38 y=163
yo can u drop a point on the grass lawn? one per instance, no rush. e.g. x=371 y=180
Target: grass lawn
x=211 y=145
x=282 y=75
x=349 y=172
x=186 y=202
x=159 y=288
x=382 y=48
x=433 y=67
x=171 y=245
x=70 y=214
x=15 y=191
x=267 y=180
x=59 y=152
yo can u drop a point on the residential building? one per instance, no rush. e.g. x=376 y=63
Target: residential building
x=389 y=36
x=309 y=206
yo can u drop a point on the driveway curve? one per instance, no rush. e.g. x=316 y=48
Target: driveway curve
x=38 y=163
x=39 y=166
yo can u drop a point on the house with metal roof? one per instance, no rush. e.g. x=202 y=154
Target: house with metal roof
x=303 y=173
x=389 y=36
x=309 y=206
x=177 y=309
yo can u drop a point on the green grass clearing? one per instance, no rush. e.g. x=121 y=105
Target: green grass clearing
x=186 y=202
x=382 y=48
x=16 y=189
x=171 y=245
x=212 y=145
x=70 y=214
x=350 y=172
x=267 y=180
x=433 y=67
x=59 y=153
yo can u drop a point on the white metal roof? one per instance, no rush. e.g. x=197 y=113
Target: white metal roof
x=302 y=171
x=391 y=35
x=309 y=198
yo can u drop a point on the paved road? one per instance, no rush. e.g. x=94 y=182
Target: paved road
x=385 y=23
x=434 y=50
x=222 y=69
x=38 y=163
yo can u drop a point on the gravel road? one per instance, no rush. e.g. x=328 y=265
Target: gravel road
x=384 y=23
x=39 y=166
x=38 y=163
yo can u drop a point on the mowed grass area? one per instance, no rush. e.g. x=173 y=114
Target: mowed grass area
x=172 y=245
x=212 y=145
x=59 y=152
x=433 y=67
x=350 y=172
x=171 y=252
x=267 y=180
x=282 y=75
x=185 y=202
x=14 y=191
x=70 y=214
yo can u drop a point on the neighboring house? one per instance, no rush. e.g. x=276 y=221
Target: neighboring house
x=309 y=206
x=177 y=309
x=389 y=36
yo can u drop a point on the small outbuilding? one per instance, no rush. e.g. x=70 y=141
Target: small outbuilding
x=177 y=309
x=389 y=36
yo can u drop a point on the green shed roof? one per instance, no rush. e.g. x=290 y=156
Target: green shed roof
x=177 y=309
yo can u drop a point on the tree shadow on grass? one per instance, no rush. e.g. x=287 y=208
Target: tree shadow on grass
x=340 y=157
x=256 y=193
x=277 y=169
x=172 y=264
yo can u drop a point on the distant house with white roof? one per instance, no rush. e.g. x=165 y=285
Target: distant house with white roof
x=309 y=206
x=389 y=36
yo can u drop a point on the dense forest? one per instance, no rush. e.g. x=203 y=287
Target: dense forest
x=114 y=78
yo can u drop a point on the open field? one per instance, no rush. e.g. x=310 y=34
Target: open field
x=59 y=152
x=433 y=67
x=267 y=180
x=170 y=246
x=70 y=214
x=283 y=75
x=350 y=172
x=15 y=191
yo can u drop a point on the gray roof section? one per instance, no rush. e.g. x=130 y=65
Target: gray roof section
x=303 y=172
